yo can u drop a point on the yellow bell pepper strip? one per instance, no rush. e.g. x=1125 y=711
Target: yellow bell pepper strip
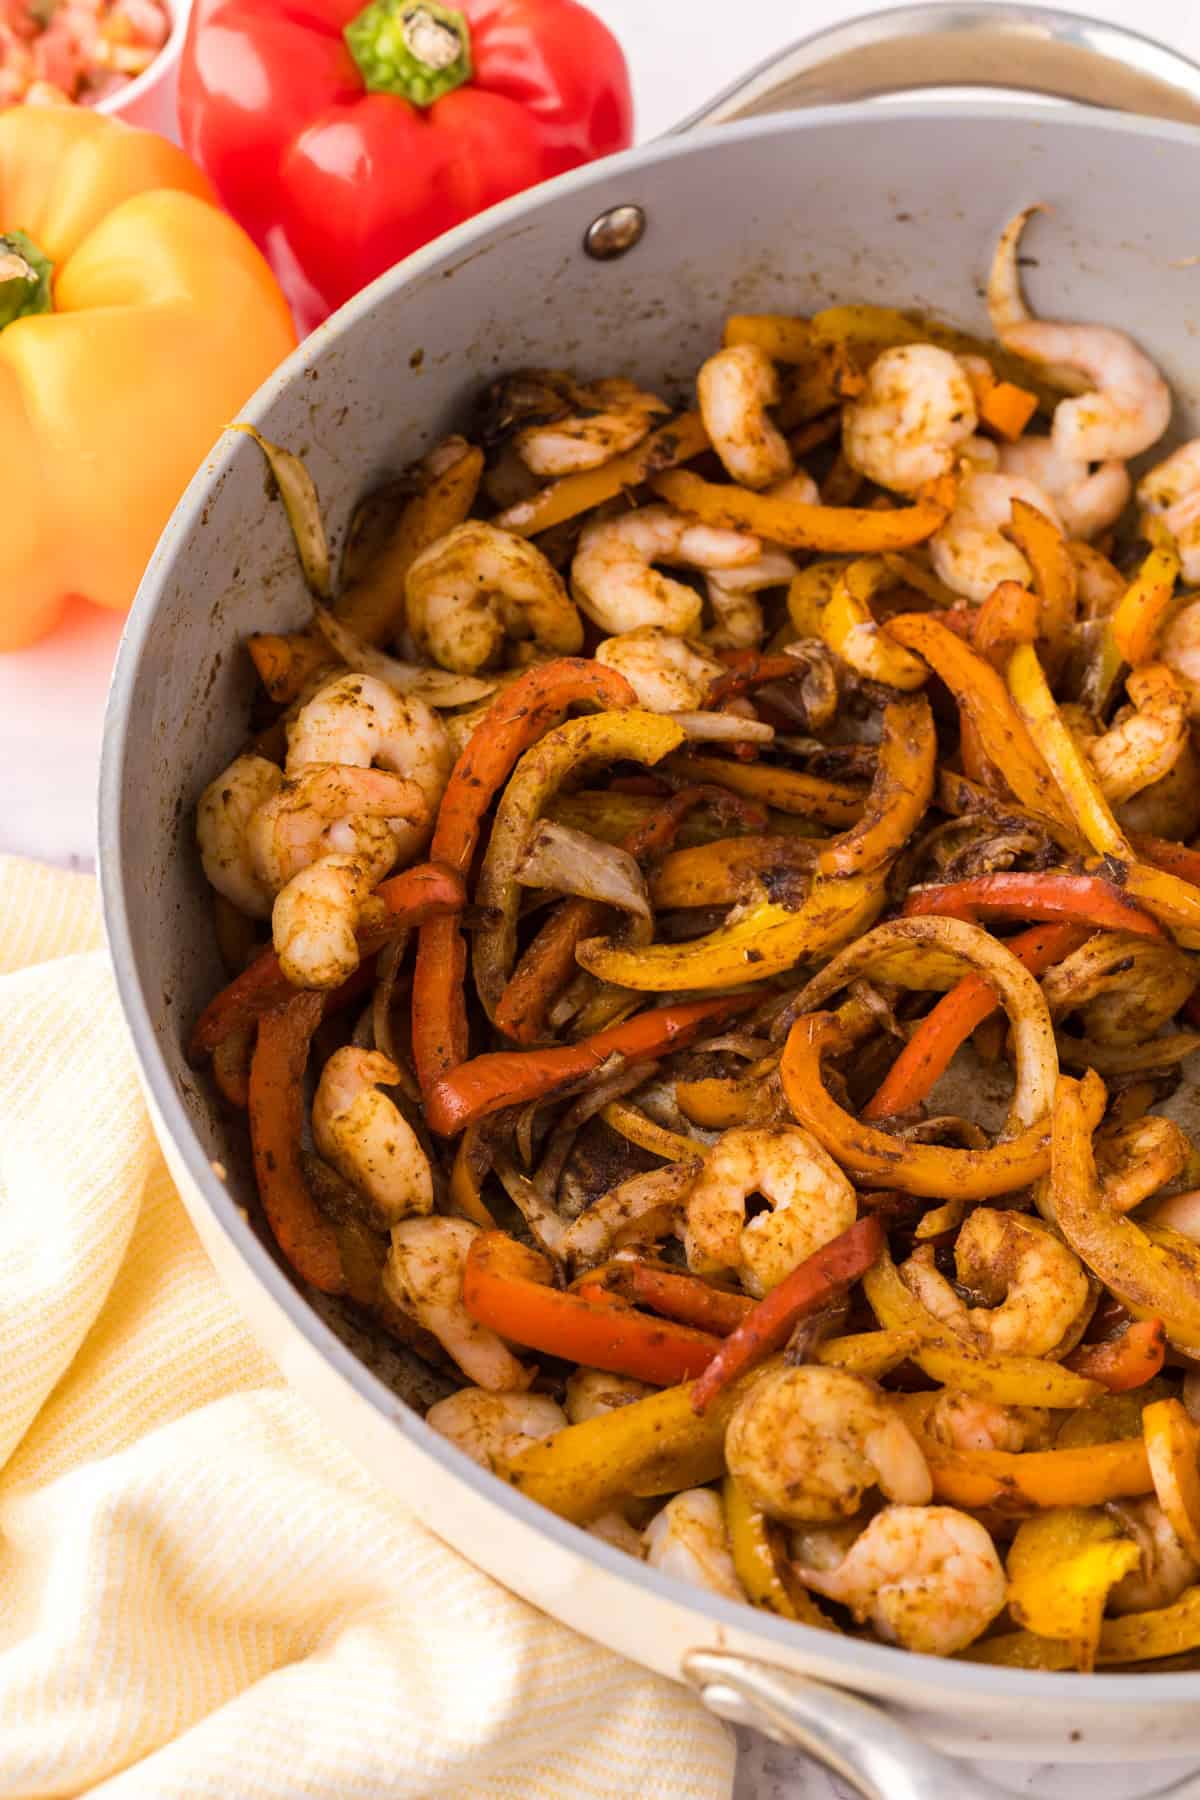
x=721 y=873
x=809 y=593
x=1112 y=1416
x=785 y=339
x=487 y=1084
x=1077 y=780
x=1005 y=1380
x=276 y=1102
x=821 y=1277
x=1142 y=609
x=1173 y=1448
x=848 y=626
x=873 y=1158
x=804 y=526
x=587 y=743
x=1014 y=894
x=1171 y=900
x=1153 y=1271
x=833 y=803
x=1126 y=1361
x=877 y=328
x=757 y=1565
x=507 y=1287
x=118 y=374
x=638 y=1129
x=1060 y=1569
x=759 y=940
x=678 y=441
x=472 y=1161
x=1138 y=1637
x=1055 y=577
x=871 y=1354
x=900 y=793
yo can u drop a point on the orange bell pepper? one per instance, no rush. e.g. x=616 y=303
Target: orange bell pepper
x=141 y=321
x=276 y=1097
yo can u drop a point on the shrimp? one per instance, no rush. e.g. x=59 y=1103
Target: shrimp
x=591 y=1392
x=1136 y=1160
x=1127 y=405
x=1033 y=1286
x=927 y=1577
x=967 y=1423
x=423 y=1275
x=667 y=673
x=915 y=411
x=1169 y=807
x=737 y=615
x=810 y=1203
x=332 y=810
x=1146 y=738
x=970 y=553
x=315 y=917
x=640 y=1211
x=807 y=1442
x=489 y=1428
x=614 y=417
x=1171 y=492
x=1125 y=988
x=735 y=388
x=1180 y=650
x=1166 y=1569
x=477 y=586
x=1088 y=500
x=223 y=815
x=688 y=1539
x=617 y=585
x=366 y=1138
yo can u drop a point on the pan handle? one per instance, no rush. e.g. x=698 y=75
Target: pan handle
x=868 y=1747
x=1037 y=49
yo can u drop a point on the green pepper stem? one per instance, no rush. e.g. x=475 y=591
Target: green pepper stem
x=25 y=273
x=415 y=49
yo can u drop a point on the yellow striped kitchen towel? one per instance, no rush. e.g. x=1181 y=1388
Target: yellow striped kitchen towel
x=200 y=1593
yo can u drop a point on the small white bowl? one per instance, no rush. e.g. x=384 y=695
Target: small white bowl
x=150 y=100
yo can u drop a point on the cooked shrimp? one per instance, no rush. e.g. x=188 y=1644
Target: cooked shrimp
x=617 y=585
x=223 y=815
x=667 y=673
x=332 y=810
x=478 y=586
x=1166 y=1570
x=1088 y=500
x=970 y=553
x=810 y=1202
x=1138 y=1159
x=1180 y=650
x=927 y=1577
x=915 y=411
x=1033 y=1286
x=423 y=1275
x=967 y=1423
x=490 y=1427
x=688 y=1539
x=806 y=1443
x=641 y=1211
x=1125 y=987
x=591 y=1392
x=613 y=1528
x=365 y=1136
x=1171 y=492
x=315 y=917
x=1146 y=738
x=1127 y=405
x=737 y=615
x=735 y=388
x=614 y=417
x=1169 y=807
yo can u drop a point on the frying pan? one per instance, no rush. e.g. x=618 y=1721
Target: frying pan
x=630 y=267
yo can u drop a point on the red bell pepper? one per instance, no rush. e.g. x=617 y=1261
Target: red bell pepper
x=344 y=136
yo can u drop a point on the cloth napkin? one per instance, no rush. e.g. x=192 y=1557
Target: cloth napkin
x=201 y=1593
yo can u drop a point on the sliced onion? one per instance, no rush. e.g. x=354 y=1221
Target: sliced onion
x=438 y=687
x=544 y=1223
x=298 y=491
x=571 y=862
x=722 y=727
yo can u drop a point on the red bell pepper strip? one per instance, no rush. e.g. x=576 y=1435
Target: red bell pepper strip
x=1085 y=899
x=343 y=136
x=684 y=1297
x=489 y=1083
x=507 y=1287
x=517 y=718
x=1129 y=1360
x=307 y=1239
x=828 y=1272
x=417 y=894
x=931 y=1048
x=1176 y=859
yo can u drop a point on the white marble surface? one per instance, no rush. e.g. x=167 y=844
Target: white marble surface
x=51 y=697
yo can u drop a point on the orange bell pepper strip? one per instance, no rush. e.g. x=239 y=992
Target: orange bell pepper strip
x=507 y=1287
x=1162 y=853
x=675 y=442
x=487 y=1084
x=821 y=1277
x=276 y=1100
x=1038 y=1478
x=1055 y=576
x=421 y=893
x=150 y=320
x=1009 y=894
x=1172 y=1442
x=1126 y=1361
x=983 y=700
x=514 y=721
x=834 y=803
x=1007 y=617
x=849 y=627
x=900 y=793
x=874 y=1158
x=1002 y=406
x=803 y=526
x=931 y=1048
x=1142 y=609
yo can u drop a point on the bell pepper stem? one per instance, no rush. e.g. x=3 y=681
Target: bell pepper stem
x=25 y=273
x=417 y=50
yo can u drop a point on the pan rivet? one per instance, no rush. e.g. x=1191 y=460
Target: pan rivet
x=614 y=232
